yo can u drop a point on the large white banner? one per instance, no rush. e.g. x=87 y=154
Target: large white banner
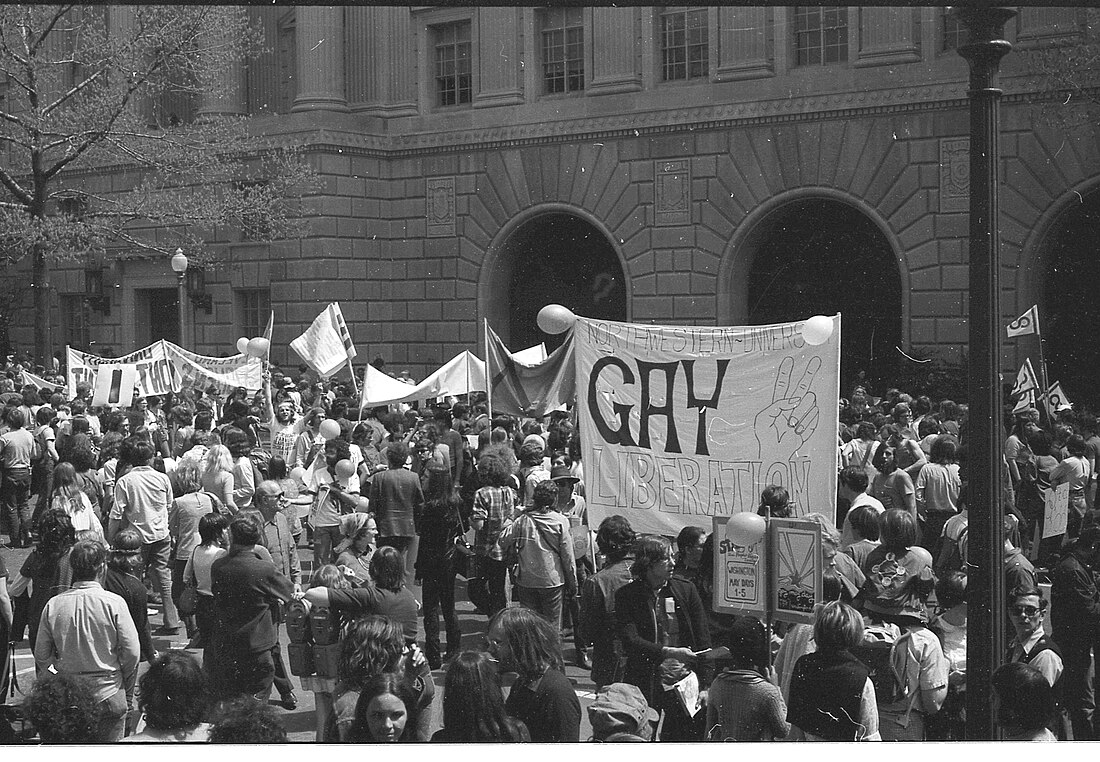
x=681 y=424
x=163 y=367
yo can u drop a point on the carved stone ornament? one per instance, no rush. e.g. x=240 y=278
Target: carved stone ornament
x=440 y=206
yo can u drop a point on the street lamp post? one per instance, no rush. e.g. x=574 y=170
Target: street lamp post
x=983 y=51
x=179 y=267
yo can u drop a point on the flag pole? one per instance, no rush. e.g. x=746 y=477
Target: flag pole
x=488 y=380
x=1043 y=371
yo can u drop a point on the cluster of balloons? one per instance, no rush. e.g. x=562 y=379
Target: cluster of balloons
x=257 y=347
x=555 y=319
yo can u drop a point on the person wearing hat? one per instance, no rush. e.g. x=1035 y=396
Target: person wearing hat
x=1075 y=616
x=621 y=708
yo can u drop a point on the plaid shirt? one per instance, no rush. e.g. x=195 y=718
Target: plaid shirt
x=494 y=506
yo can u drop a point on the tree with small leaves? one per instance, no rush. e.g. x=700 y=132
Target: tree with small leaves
x=82 y=97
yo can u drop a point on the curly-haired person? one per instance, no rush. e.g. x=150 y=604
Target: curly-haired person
x=174 y=700
x=63 y=709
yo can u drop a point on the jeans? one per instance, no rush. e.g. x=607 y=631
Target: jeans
x=324 y=540
x=42 y=486
x=112 y=719
x=439 y=597
x=15 y=494
x=1077 y=688
x=178 y=567
x=204 y=619
x=156 y=556
x=238 y=674
x=544 y=600
x=495 y=574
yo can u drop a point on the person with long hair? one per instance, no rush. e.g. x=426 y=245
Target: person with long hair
x=213 y=544
x=47 y=567
x=937 y=489
x=217 y=475
x=277 y=471
x=893 y=486
x=832 y=697
x=473 y=704
x=244 y=475
x=744 y=703
x=69 y=496
x=354 y=554
x=494 y=503
x=173 y=698
x=439 y=524
x=595 y=626
x=328 y=576
x=522 y=641
x=1023 y=703
x=183 y=525
x=386 y=709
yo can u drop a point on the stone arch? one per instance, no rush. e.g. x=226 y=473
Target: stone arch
x=770 y=220
x=498 y=268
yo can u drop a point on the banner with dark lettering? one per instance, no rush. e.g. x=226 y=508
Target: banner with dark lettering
x=163 y=367
x=680 y=424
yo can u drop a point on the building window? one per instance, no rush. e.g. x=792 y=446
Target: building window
x=452 y=63
x=74 y=321
x=821 y=35
x=286 y=53
x=253 y=310
x=684 y=43
x=954 y=33
x=563 y=50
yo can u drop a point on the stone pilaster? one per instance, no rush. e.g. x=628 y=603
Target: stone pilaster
x=320 y=42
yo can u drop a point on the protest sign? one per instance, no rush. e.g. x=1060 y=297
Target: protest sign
x=164 y=367
x=681 y=424
x=114 y=385
x=797 y=569
x=739 y=574
x=1056 y=511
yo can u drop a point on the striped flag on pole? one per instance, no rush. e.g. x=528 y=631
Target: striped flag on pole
x=326 y=345
x=1025 y=324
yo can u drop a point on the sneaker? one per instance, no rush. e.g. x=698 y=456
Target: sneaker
x=164 y=631
x=290 y=701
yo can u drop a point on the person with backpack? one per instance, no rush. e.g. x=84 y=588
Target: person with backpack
x=907 y=663
x=69 y=497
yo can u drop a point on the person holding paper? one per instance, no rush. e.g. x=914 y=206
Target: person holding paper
x=661 y=622
x=1076 y=471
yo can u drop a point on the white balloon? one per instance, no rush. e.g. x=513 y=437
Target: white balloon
x=554 y=318
x=242 y=344
x=817 y=329
x=258 y=347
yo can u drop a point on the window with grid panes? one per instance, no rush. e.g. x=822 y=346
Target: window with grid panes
x=563 y=50
x=452 y=63
x=684 y=43
x=954 y=33
x=821 y=35
x=252 y=311
x=74 y=321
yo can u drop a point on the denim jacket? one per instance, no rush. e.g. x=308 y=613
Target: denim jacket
x=544 y=548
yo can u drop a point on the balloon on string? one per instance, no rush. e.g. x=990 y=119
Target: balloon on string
x=298 y=474
x=745 y=529
x=554 y=319
x=258 y=347
x=330 y=429
x=817 y=329
x=344 y=468
x=242 y=344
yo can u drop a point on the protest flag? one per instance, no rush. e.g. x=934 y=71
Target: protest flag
x=1025 y=379
x=326 y=345
x=1027 y=323
x=1027 y=400
x=532 y=389
x=1055 y=399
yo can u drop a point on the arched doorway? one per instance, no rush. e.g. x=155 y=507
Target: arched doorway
x=1070 y=311
x=819 y=256
x=553 y=258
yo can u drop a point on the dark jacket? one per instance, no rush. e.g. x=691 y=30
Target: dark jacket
x=638 y=618
x=396 y=500
x=826 y=694
x=244 y=588
x=401 y=606
x=551 y=712
x=1075 y=602
x=597 y=625
x=439 y=525
x=133 y=591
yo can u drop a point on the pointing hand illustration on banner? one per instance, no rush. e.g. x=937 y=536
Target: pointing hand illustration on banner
x=790 y=420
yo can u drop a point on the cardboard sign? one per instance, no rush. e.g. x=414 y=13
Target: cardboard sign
x=682 y=424
x=1056 y=511
x=739 y=574
x=114 y=385
x=797 y=568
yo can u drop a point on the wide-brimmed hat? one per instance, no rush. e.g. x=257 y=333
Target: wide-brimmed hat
x=620 y=708
x=563 y=474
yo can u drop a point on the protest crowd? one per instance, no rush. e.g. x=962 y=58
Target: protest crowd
x=190 y=513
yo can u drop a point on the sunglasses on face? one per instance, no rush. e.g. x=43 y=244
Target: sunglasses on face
x=1025 y=610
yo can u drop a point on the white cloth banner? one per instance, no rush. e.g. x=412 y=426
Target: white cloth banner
x=532 y=355
x=462 y=374
x=164 y=367
x=682 y=424
x=326 y=345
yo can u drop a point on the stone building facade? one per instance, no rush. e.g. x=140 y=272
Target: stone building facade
x=673 y=165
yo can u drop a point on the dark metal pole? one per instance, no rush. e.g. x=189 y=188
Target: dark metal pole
x=985 y=584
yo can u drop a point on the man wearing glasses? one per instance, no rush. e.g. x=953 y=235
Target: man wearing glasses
x=1031 y=644
x=268 y=510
